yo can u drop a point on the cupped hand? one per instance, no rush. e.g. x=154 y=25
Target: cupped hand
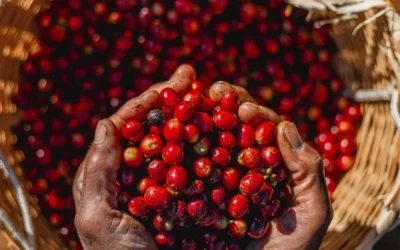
x=98 y=222
x=304 y=224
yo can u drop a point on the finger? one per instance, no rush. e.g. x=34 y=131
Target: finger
x=77 y=185
x=101 y=165
x=306 y=169
x=218 y=89
x=181 y=84
x=136 y=108
x=184 y=70
x=254 y=114
x=180 y=81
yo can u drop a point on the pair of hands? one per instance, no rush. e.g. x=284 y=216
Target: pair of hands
x=101 y=226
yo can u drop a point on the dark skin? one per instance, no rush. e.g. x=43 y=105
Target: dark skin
x=101 y=226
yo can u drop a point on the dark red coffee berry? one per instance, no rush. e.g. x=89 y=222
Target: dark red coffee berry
x=230 y=178
x=197 y=209
x=227 y=139
x=157 y=170
x=224 y=120
x=177 y=178
x=196 y=98
x=238 y=206
x=132 y=131
x=145 y=183
x=265 y=133
x=172 y=154
x=137 y=206
x=202 y=167
x=184 y=111
x=173 y=130
x=157 y=198
x=271 y=156
x=133 y=157
x=245 y=136
x=170 y=98
x=251 y=184
x=252 y=158
x=230 y=102
x=221 y=157
x=237 y=228
x=151 y=145
x=161 y=224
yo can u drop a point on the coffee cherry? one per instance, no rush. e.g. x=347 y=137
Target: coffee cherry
x=157 y=170
x=330 y=166
x=265 y=133
x=177 y=178
x=227 y=139
x=353 y=112
x=196 y=98
x=271 y=208
x=346 y=144
x=264 y=196
x=172 y=154
x=165 y=239
x=132 y=131
x=198 y=86
x=246 y=136
x=218 y=195
x=137 y=206
x=212 y=216
x=196 y=188
x=188 y=244
x=237 y=228
x=215 y=176
x=344 y=162
x=151 y=145
x=173 y=130
x=251 y=184
x=221 y=223
x=271 y=156
x=157 y=198
x=202 y=167
x=170 y=98
x=145 y=183
x=230 y=102
x=230 y=178
x=156 y=117
x=209 y=237
x=190 y=133
x=161 y=224
x=133 y=157
x=126 y=178
x=208 y=105
x=158 y=130
x=252 y=158
x=123 y=197
x=184 y=111
x=202 y=146
x=202 y=121
x=238 y=206
x=197 y=209
x=258 y=227
x=220 y=156
x=224 y=120
x=177 y=210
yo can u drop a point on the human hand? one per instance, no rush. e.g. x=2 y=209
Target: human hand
x=304 y=224
x=98 y=222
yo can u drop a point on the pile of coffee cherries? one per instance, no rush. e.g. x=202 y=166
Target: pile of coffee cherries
x=198 y=177
x=92 y=56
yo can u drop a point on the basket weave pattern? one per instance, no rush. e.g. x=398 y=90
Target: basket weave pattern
x=16 y=32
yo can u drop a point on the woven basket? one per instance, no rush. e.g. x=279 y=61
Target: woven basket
x=365 y=199
x=17 y=30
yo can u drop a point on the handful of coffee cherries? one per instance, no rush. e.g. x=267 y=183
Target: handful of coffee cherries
x=199 y=178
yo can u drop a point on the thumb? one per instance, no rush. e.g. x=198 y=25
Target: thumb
x=101 y=165
x=306 y=169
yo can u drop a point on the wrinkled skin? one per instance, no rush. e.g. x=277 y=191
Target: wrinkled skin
x=101 y=226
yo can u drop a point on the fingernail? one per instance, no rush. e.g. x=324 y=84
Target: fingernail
x=293 y=137
x=101 y=132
